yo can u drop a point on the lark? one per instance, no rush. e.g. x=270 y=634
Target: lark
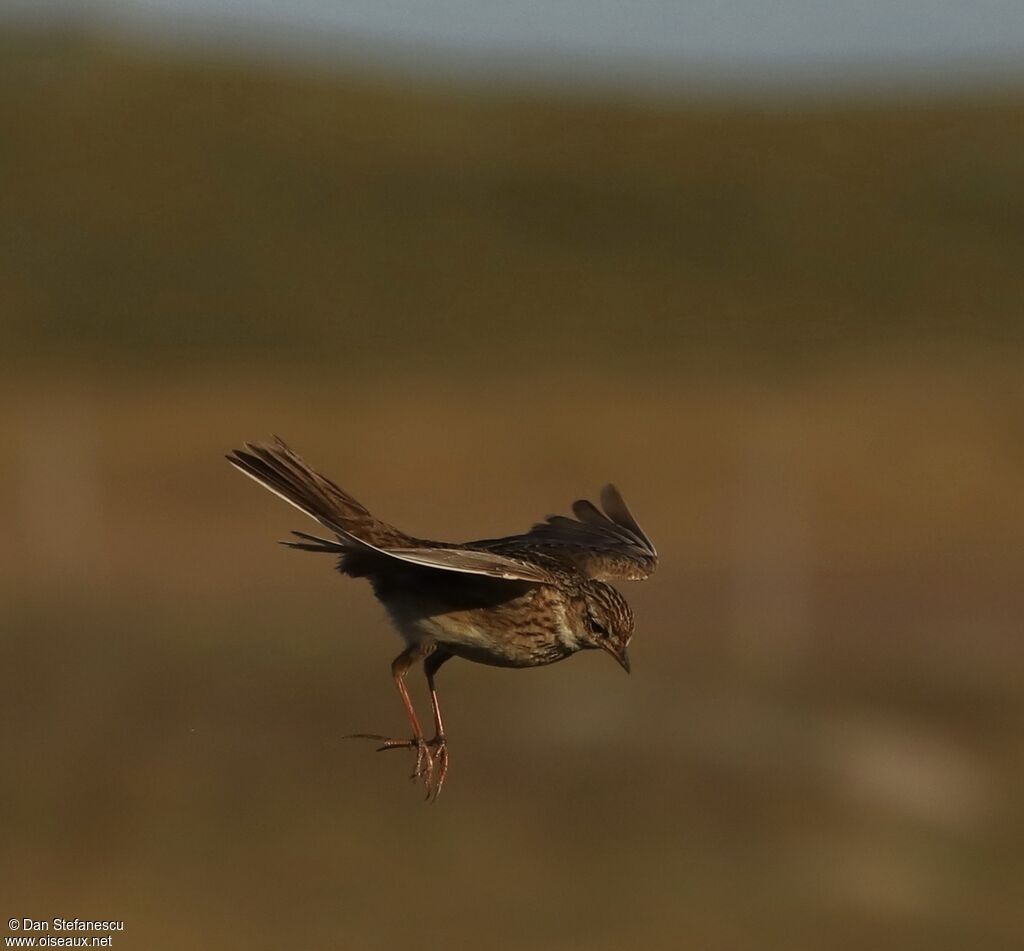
x=519 y=601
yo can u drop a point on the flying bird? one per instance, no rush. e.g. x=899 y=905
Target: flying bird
x=519 y=601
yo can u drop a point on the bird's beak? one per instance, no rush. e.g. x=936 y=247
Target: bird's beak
x=619 y=653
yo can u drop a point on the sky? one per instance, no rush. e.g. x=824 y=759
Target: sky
x=748 y=41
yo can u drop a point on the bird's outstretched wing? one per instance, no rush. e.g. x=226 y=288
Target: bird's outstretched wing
x=607 y=545
x=277 y=468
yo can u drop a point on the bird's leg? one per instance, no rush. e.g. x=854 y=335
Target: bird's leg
x=424 y=761
x=438 y=744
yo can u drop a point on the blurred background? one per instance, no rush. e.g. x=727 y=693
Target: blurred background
x=759 y=265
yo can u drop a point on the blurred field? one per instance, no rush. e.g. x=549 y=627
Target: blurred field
x=791 y=337
x=171 y=210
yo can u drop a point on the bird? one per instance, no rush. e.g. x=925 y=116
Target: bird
x=522 y=600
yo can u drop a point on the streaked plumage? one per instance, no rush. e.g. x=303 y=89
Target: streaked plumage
x=518 y=601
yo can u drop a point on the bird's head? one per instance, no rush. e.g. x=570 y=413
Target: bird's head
x=606 y=622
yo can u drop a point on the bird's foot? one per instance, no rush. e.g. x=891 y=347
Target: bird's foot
x=439 y=756
x=431 y=757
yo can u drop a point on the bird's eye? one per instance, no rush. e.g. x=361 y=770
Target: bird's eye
x=596 y=626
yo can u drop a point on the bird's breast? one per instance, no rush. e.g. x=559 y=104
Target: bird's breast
x=528 y=631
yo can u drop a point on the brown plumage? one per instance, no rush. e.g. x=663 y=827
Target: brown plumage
x=518 y=601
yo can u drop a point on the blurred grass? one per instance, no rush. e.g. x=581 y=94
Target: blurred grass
x=791 y=335
x=166 y=208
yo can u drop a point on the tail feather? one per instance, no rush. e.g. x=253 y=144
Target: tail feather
x=277 y=468
x=316 y=543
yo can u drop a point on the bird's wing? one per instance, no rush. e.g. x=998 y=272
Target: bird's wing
x=607 y=545
x=280 y=470
x=467 y=561
x=463 y=560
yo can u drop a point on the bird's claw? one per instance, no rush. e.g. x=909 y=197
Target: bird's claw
x=439 y=757
x=431 y=758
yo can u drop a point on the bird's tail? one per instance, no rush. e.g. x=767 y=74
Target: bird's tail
x=277 y=468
